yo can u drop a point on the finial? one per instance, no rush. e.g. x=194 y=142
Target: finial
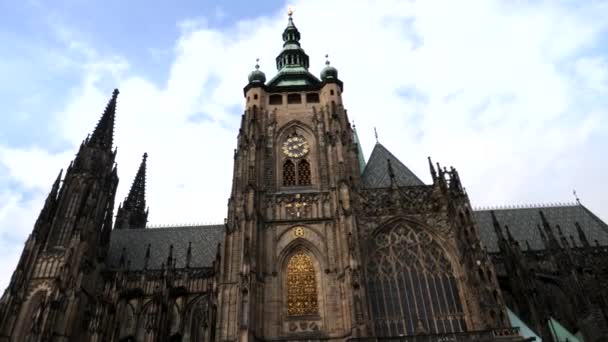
x=257 y=63
x=376 y=134
x=290 y=11
x=115 y=92
x=145 y=155
x=326 y=59
x=578 y=201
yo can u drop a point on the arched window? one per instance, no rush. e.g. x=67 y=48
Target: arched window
x=289 y=173
x=301 y=286
x=303 y=172
x=411 y=284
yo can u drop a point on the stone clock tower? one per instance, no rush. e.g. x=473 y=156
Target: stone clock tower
x=290 y=265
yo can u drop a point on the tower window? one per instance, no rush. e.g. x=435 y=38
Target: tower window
x=301 y=286
x=255 y=96
x=294 y=98
x=289 y=173
x=275 y=99
x=331 y=92
x=312 y=98
x=304 y=172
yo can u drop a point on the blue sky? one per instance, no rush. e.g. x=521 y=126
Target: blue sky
x=513 y=94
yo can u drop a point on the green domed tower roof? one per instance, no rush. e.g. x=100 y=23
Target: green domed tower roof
x=257 y=76
x=329 y=72
x=292 y=62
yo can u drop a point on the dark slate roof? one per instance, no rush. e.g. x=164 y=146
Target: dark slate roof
x=135 y=241
x=523 y=223
x=375 y=174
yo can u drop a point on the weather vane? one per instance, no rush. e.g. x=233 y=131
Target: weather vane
x=578 y=201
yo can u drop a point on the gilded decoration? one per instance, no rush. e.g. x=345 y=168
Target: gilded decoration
x=298 y=231
x=301 y=286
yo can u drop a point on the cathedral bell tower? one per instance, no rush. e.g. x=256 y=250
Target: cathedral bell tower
x=289 y=265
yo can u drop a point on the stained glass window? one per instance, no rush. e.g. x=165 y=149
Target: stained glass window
x=289 y=173
x=301 y=286
x=411 y=284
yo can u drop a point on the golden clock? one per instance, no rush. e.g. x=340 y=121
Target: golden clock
x=295 y=147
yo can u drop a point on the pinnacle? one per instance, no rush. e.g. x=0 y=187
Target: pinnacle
x=137 y=196
x=103 y=135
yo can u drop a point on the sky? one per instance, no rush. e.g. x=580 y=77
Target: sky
x=514 y=94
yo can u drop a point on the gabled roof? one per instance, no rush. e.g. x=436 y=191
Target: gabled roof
x=135 y=242
x=523 y=223
x=376 y=175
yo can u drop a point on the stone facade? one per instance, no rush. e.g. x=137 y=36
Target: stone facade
x=317 y=245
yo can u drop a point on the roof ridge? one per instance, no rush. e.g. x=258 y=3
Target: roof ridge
x=595 y=218
x=526 y=206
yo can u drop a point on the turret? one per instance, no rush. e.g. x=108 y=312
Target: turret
x=133 y=212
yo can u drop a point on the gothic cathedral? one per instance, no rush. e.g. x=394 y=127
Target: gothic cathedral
x=318 y=244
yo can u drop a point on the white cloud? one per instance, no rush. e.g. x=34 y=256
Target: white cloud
x=513 y=95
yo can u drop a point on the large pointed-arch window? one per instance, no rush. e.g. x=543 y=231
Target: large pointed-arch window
x=411 y=284
x=289 y=173
x=301 y=286
x=303 y=172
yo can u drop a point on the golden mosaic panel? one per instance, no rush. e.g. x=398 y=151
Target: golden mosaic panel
x=301 y=286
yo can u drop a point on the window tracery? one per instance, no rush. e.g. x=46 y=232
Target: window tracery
x=411 y=284
x=289 y=173
x=304 y=172
x=301 y=286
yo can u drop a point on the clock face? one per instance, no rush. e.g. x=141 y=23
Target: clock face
x=295 y=147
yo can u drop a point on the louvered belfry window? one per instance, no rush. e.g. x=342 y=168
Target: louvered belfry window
x=289 y=173
x=411 y=284
x=301 y=286
x=304 y=172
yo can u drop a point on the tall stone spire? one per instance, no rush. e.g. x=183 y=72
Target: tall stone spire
x=103 y=135
x=133 y=212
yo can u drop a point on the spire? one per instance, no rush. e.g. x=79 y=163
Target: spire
x=103 y=135
x=133 y=212
x=433 y=172
x=360 y=157
x=52 y=197
x=50 y=202
x=292 y=56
